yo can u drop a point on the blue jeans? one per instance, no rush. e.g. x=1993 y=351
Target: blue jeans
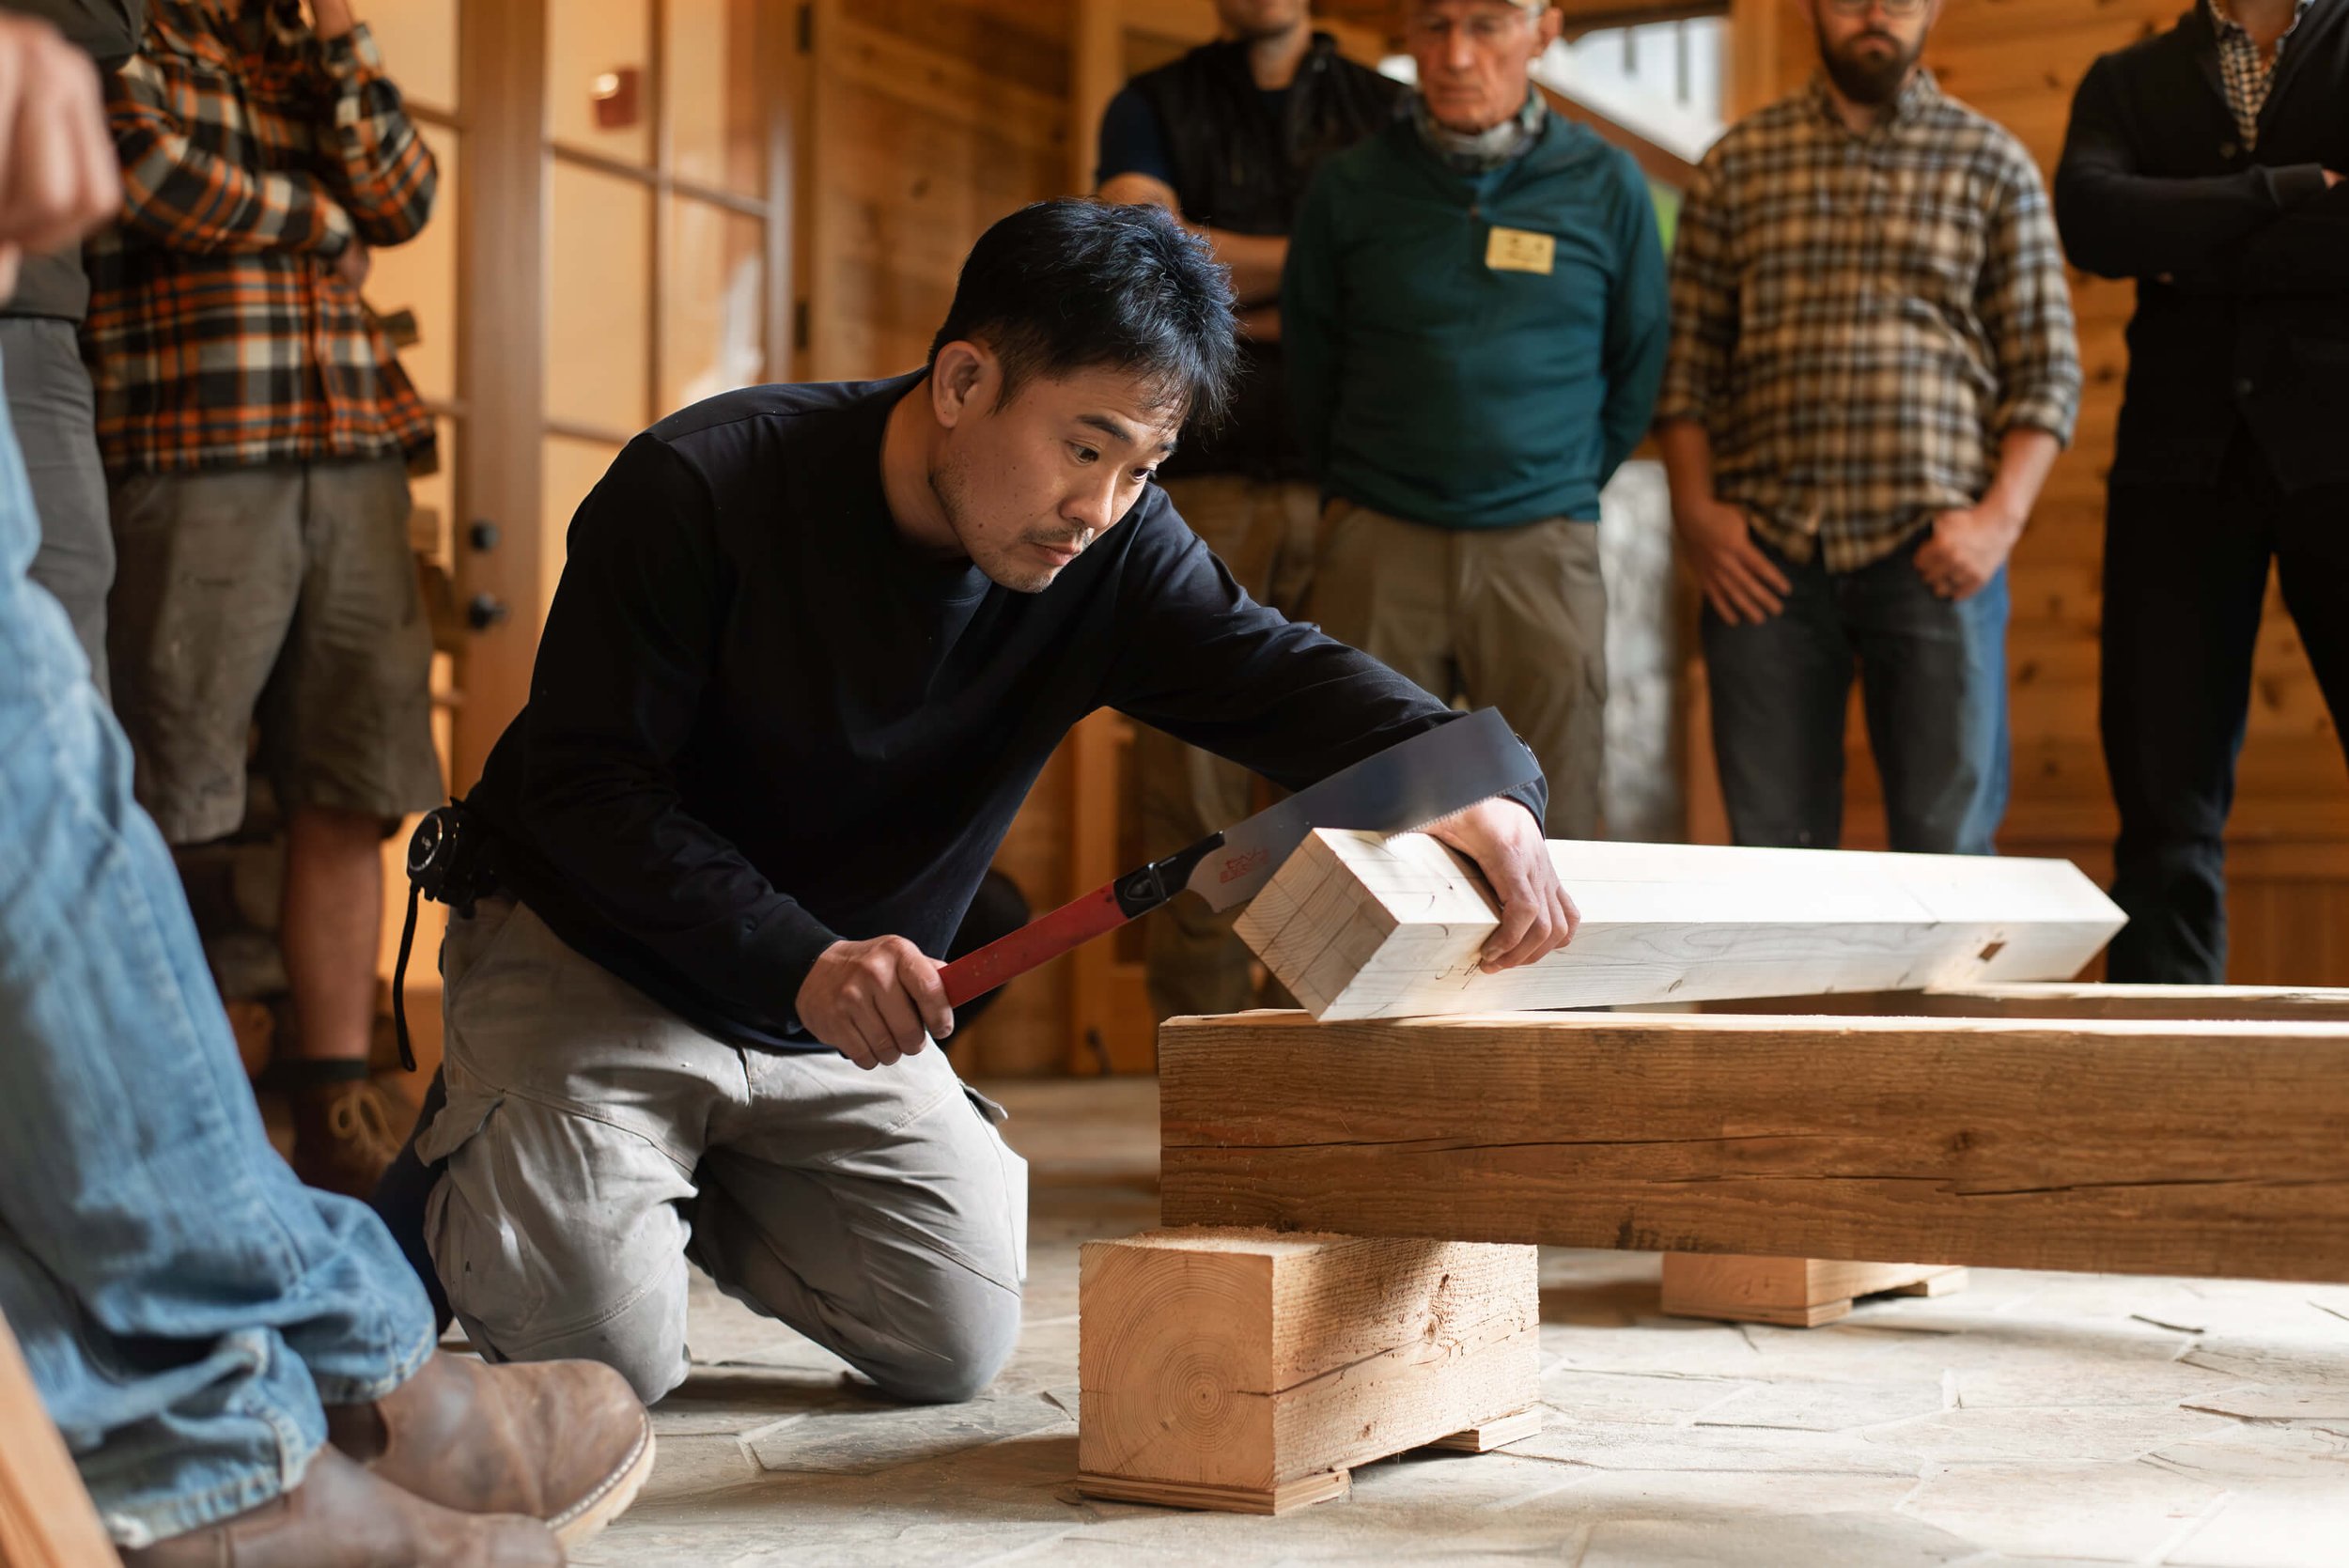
x=1933 y=683
x=185 y=1304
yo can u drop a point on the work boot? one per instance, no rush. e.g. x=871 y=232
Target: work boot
x=564 y=1441
x=344 y=1134
x=340 y=1517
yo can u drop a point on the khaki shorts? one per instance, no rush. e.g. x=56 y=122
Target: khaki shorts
x=285 y=594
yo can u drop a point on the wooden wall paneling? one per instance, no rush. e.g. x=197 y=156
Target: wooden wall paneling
x=2142 y=1147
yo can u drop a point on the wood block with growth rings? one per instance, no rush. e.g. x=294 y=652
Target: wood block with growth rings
x=1248 y=1370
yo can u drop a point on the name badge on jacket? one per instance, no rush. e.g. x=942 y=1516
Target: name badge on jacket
x=1517 y=249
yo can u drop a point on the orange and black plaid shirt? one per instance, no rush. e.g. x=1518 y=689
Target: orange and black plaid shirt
x=253 y=153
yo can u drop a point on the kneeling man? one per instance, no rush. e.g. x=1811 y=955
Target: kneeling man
x=811 y=647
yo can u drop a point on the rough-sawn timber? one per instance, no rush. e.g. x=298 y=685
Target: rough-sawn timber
x=2166 y=1147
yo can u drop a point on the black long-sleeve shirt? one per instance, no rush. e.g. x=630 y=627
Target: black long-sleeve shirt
x=2240 y=253
x=762 y=722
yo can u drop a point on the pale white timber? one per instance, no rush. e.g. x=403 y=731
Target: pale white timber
x=1357 y=927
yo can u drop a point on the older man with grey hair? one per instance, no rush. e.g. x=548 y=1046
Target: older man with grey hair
x=1474 y=315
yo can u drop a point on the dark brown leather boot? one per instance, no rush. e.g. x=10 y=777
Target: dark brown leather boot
x=564 y=1441
x=340 y=1517
x=345 y=1134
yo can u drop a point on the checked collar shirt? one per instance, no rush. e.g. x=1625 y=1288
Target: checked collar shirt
x=253 y=154
x=1858 y=319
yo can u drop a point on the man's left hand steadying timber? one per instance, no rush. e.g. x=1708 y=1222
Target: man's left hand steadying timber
x=1505 y=842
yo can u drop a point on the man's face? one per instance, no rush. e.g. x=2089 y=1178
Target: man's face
x=1474 y=56
x=1870 y=49
x=1026 y=485
x=1259 y=19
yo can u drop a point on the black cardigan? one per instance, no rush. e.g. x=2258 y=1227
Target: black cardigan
x=2241 y=257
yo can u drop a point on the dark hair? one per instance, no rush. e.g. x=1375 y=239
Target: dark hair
x=1068 y=285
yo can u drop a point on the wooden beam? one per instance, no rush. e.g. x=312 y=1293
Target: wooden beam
x=1361 y=927
x=1660 y=163
x=2280 y=1003
x=46 y=1520
x=1244 y=1371
x=2208 y=1148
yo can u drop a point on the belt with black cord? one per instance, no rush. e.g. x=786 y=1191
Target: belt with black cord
x=450 y=861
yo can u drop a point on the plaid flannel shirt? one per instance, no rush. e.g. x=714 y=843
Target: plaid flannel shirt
x=2249 y=77
x=1858 y=319
x=253 y=152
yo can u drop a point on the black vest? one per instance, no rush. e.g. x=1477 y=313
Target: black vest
x=1238 y=169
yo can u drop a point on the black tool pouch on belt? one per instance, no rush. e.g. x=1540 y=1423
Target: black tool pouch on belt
x=449 y=862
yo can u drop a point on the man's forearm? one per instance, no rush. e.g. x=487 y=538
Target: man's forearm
x=1256 y=259
x=2026 y=454
x=1688 y=453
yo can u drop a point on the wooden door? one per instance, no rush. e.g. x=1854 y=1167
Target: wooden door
x=609 y=243
x=609 y=246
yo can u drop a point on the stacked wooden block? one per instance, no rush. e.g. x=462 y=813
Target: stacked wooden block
x=1937 y=1103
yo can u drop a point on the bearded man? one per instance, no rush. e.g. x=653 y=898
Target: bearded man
x=1873 y=368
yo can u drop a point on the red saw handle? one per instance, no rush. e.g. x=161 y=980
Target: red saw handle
x=1039 y=941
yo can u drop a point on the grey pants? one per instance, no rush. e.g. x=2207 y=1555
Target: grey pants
x=55 y=413
x=596 y=1143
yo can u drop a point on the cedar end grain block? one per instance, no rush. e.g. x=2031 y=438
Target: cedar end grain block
x=1247 y=1360
x=1357 y=927
x=2099 y=1145
x=1792 y=1293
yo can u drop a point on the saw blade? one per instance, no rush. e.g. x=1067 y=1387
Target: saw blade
x=1409 y=785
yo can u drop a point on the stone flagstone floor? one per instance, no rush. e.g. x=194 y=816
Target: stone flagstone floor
x=2051 y=1420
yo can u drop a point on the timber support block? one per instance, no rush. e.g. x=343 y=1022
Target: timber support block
x=1249 y=1370
x=1792 y=1293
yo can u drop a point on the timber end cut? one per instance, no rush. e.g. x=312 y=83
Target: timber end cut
x=1247 y=1370
x=2099 y=1145
x=1357 y=927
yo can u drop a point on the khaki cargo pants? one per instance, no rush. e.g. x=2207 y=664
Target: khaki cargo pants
x=1512 y=618
x=597 y=1143
x=1263 y=533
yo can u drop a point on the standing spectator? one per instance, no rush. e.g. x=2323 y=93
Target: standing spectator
x=258 y=433
x=1474 y=314
x=2206 y=163
x=48 y=389
x=1227 y=138
x=1873 y=370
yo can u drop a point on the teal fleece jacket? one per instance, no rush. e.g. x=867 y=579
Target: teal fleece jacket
x=1433 y=387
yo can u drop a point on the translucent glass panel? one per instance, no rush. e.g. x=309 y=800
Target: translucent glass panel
x=714 y=337
x=569 y=468
x=418 y=38
x=717 y=122
x=421 y=277
x=598 y=293
x=600 y=87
